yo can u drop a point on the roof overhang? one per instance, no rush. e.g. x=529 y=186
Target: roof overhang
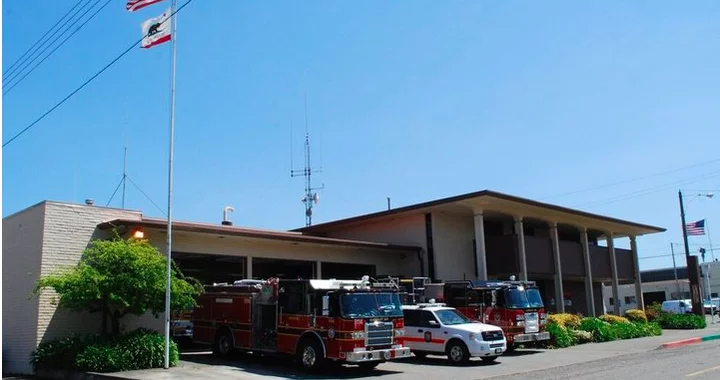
x=490 y=203
x=267 y=235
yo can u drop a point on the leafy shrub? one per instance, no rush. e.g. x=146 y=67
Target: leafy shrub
x=601 y=330
x=653 y=311
x=566 y=320
x=559 y=336
x=636 y=315
x=613 y=319
x=626 y=330
x=681 y=321
x=581 y=336
x=649 y=328
x=139 y=349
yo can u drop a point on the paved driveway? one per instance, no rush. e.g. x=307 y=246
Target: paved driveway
x=202 y=365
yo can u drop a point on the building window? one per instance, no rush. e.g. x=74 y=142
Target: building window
x=630 y=299
x=612 y=302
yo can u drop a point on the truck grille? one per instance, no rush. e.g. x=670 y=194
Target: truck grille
x=532 y=325
x=492 y=335
x=379 y=334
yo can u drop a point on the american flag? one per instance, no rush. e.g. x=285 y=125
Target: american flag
x=133 y=5
x=696 y=228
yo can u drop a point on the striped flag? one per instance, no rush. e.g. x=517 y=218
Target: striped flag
x=695 y=228
x=156 y=30
x=133 y=5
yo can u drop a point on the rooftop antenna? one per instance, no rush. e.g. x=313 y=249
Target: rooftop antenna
x=311 y=197
x=122 y=183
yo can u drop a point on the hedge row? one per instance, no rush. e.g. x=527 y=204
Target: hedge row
x=569 y=329
x=674 y=321
x=139 y=349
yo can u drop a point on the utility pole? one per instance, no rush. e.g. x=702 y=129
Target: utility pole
x=692 y=266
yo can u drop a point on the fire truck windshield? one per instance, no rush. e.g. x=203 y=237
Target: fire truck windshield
x=363 y=305
x=521 y=299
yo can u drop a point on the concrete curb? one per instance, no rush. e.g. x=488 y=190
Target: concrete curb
x=685 y=342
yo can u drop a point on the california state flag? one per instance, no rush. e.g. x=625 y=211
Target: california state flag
x=156 y=30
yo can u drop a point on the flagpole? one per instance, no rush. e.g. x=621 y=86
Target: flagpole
x=712 y=251
x=173 y=37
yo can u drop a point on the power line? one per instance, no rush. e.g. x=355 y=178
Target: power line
x=58 y=46
x=651 y=190
x=41 y=38
x=87 y=81
x=22 y=64
x=632 y=180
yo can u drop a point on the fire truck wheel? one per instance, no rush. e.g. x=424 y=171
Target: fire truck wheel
x=310 y=355
x=457 y=352
x=368 y=366
x=420 y=354
x=223 y=345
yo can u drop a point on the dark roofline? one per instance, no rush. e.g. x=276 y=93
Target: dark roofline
x=252 y=233
x=512 y=198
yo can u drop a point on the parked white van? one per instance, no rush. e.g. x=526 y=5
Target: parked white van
x=677 y=306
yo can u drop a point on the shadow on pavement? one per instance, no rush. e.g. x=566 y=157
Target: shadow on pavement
x=442 y=361
x=281 y=366
x=522 y=352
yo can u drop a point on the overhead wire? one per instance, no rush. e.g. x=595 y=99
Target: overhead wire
x=11 y=67
x=147 y=196
x=58 y=46
x=632 y=179
x=107 y=66
x=651 y=190
x=23 y=64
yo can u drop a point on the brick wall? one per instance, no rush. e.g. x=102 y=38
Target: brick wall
x=68 y=230
x=21 y=255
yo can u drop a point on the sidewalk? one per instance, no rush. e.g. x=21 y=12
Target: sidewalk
x=203 y=366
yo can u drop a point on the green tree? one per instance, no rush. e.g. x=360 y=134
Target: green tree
x=119 y=277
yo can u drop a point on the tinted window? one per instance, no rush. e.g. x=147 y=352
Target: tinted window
x=411 y=317
x=425 y=318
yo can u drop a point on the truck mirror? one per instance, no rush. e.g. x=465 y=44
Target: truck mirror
x=326 y=305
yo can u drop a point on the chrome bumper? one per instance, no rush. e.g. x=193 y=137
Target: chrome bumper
x=375 y=355
x=534 y=337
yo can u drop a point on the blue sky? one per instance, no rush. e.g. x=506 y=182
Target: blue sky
x=412 y=100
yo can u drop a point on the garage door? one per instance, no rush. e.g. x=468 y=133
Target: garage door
x=346 y=271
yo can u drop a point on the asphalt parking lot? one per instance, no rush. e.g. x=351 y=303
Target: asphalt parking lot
x=202 y=365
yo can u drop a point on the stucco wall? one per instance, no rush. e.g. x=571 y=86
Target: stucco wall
x=406 y=230
x=21 y=255
x=453 y=240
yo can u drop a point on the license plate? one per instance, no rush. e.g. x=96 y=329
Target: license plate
x=498 y=350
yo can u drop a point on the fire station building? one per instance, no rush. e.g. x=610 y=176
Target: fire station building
x=484 y=235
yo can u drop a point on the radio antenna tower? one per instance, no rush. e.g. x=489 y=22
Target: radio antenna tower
x=311 y=197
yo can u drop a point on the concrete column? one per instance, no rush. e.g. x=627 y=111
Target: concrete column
x=588 y=272
x=559 y=294
x=638 y=280
x=521 y=247
x=613 y=268
x=480 y=256
x=318 y=270
x=248 y=267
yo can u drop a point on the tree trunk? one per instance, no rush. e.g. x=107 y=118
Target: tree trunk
x=115 y=322
x=104 y=317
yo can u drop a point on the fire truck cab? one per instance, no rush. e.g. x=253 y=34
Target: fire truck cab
x=514 y=306
x=318 y=321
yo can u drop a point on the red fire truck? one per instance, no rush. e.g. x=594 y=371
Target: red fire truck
x=514 y=306
x=319 y=321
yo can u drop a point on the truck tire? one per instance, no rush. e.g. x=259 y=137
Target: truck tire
x=310 y=356
x=368 y=366
x=457 y=352
x=420 y=354
x=223 y=345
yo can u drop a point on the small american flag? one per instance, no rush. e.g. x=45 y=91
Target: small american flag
x=696 y=228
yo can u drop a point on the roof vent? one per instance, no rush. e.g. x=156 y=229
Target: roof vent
x=89 y=202
x=226 y=221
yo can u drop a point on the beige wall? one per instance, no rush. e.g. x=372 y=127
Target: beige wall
x=68 y=230
x=453 y=241
x=22 y=250
x=406 y=230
